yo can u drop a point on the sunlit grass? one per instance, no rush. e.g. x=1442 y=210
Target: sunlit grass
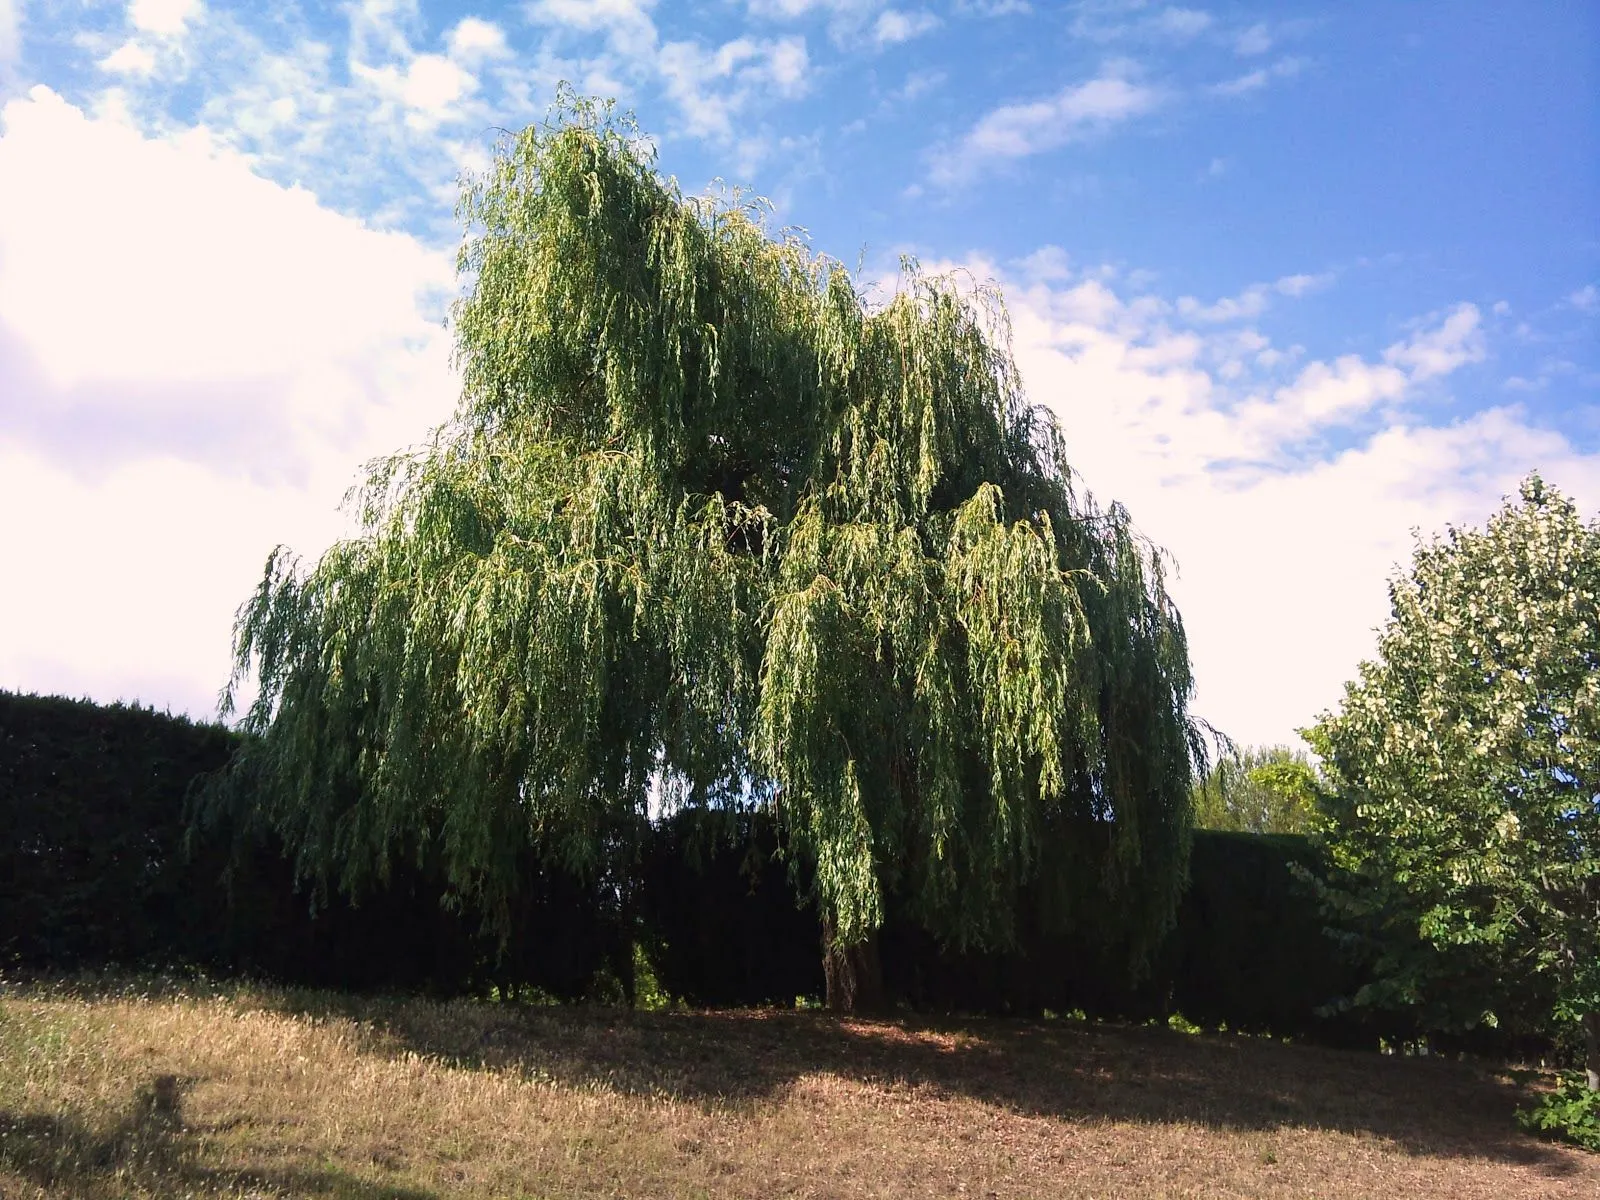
x=140 y=1090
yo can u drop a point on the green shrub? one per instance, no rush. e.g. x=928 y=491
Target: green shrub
x=1570 y=1113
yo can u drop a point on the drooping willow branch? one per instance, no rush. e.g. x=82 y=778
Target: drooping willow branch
x=706 y=517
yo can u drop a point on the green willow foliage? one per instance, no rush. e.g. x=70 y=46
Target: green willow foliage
x=708 y=526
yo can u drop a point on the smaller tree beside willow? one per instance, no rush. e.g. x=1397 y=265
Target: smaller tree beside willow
x=709 y=526
x=1465 y=763
x=1268 y=789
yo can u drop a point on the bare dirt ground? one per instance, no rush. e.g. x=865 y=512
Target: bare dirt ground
x=140 y=1090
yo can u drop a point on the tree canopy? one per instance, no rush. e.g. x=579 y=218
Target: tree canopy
x=1465 y=760
x=1266 y=789
x=710 y=526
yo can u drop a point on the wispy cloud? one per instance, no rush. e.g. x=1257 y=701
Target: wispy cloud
x=1113 y=21
x=991 y=8
x=789 y=10
x=711 y=87
x=474 y=39
x=242 y=350
x=1016 y=131
x=1253 y=300
x=1181 y=23
x=386 y=114
x=919 y=83
x=130 y=58
x=1255 y=40
x=1254 y=81
x=853 y=24
x=626 y=23
x=894 y=26
x=1218 y=439
x=10 y=33
x=165 y=18
x=1433 y=352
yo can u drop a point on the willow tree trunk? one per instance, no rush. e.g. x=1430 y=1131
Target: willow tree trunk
x=854 y=974
x=1591 y=1045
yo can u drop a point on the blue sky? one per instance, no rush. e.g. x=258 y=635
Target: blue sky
x=1296 y=279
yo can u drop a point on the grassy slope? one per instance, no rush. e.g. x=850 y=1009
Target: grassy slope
x=258 y=1093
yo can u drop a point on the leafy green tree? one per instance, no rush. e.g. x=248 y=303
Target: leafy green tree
x=1465 y=760
x=709 y=526
x=1269 y=789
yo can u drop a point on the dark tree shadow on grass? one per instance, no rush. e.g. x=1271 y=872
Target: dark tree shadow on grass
x=151 y=1147
x=1068 y=1071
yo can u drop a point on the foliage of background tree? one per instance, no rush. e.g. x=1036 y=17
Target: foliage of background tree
x=1268 y=789
x=707 y=518
x=1466 y=761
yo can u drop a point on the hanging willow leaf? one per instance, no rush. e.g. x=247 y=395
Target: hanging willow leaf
x=709 y=526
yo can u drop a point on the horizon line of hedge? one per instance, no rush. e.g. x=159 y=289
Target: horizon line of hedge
x=99 y=867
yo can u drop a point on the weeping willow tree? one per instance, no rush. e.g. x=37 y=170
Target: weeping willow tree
x=709 y=528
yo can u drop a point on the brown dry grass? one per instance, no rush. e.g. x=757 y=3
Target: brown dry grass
x=135 y=1091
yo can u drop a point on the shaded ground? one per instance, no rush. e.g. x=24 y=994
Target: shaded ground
x=253 y=1093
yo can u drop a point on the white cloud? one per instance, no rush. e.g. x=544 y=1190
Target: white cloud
x=591 y=14
x=1304 y=284
x=992 y=8
x=920 y=83
x=1429 y=353
x=1585 y=299
x=195 y=361
x=433 y=82
x=1286 y=542
x=711 y=87
x=1323 y=394
x=1255 y=40
x=130 y=58
x=1018 y=130
x=788 y=10
x=1046 y=264
x=167 y=18
x=1251 y=302
x=894 y=26
x=1181 y=23
x=10 y=31
x=853 y=23
x=1135 y=22
x=626 y=23
x=473 y=39
x=1254 y=81
x=384 y=118
x=787 y=64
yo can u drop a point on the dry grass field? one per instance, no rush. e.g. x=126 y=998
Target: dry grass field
x=142 y=1091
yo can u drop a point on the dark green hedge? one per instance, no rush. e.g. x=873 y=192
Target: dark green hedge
x=719 y=916
x=1249 y=950
x=91 y=804
x=96 y=869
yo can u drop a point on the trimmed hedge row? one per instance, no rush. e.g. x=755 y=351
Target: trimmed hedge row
x=1248 y=951
x=97 y=868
